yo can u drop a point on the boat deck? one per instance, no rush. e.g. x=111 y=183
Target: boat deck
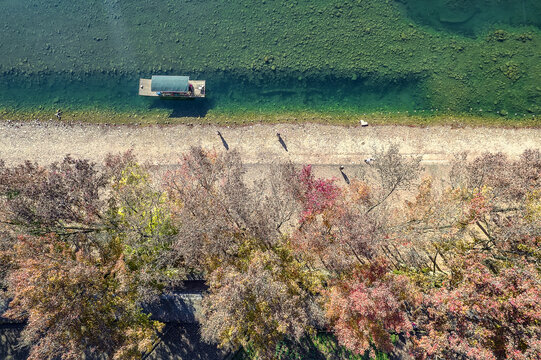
x=198 y=86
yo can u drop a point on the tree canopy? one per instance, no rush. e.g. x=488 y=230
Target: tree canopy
x=451 y=268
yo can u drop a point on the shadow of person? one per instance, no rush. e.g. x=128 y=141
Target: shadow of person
x=281 y=141
x=346 y=179
x=226 y=146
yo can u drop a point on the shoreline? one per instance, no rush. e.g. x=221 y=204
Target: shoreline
x=317 y=144
x=216 y=118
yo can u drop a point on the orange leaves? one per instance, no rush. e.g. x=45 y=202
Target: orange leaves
x=484 y=315
x=423 y=205
x=477 y=207
x=366 y=307
x=282 y=254
x=359 y=192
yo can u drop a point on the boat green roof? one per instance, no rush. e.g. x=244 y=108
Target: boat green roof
x=169 y=83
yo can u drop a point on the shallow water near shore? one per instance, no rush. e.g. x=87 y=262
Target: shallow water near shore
x=468 y=57
x=224 y=94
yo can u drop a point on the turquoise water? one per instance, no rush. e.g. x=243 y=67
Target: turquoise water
x=224 y=94
x=271 y=56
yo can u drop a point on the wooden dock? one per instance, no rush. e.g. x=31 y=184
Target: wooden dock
x=145 y=86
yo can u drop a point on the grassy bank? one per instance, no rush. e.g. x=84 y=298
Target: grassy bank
x=163 y=117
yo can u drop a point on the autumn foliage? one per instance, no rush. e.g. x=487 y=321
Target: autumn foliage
x=482 y=314
x=315 y=195
x=73 y=272
x=370 y=306
x=394 y=261
x=75 y=302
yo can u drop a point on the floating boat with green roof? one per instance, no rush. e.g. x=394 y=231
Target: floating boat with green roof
x=172 y=87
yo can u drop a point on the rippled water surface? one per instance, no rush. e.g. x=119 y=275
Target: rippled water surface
x=271 y=55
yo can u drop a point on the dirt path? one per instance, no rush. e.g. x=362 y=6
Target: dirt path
x=321 y=145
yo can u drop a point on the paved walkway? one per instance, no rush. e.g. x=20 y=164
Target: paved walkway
x=324 y=146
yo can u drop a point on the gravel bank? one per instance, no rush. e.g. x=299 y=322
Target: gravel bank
x=321 y=145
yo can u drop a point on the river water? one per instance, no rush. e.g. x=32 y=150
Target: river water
x=270 y=56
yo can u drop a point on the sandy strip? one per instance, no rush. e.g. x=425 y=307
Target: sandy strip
x=322 y=145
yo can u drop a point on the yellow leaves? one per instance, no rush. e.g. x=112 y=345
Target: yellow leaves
x=227 y=336
x=263 y=307
x=422 y=278
x=281 y=328
x=175 y=203
x=290 y=271
x=464 y=194
x=533 y=206
x=139 y=206
x=212 y=263
x=121 y=212
x=158 y=326
x=138 y=340
x=132 y=175
x=530 y=250
x=486 y=191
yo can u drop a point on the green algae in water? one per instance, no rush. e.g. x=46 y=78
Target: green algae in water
x=272 y=56
x=474 y=17
x=225 y=94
